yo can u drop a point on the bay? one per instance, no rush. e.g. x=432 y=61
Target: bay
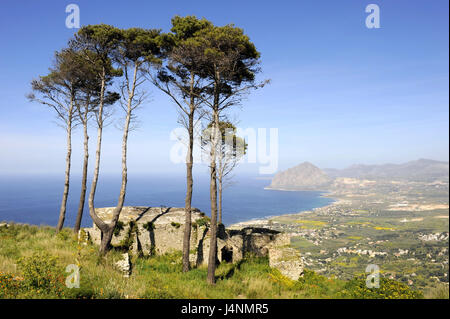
x=36 y=199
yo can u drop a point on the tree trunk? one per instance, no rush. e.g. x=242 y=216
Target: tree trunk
x=97 y=220
x=84 y=174
x=211 y=279
x=213 y=228
x=62 y=211
x=107 y=236
x=220 y=170
x=108 y=233
x=189 y=183
x=220 y=200
x=188 y=200
x=105 y=243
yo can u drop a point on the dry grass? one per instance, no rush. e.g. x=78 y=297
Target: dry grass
x=155 y=277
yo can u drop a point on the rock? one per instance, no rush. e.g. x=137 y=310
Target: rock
x=159 y=230
x=304 y=176
x=124 y=265
x=156 y=230
x=4 y=225
x=287 y=260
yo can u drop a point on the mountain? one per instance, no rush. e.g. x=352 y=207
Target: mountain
x=422 y=170
x=303 y=176
x=306 y=176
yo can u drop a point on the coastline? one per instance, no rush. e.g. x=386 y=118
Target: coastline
x=265 y=220
x=323 y=193
x=293 y=189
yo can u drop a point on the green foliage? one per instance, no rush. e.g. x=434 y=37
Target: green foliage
x=220 y=46
x=176 y=225
x=118 y=228
x=311 y=278
x=65 y=234
x=185 y=27
x=100 y=38
x=389 y=289
x=231 y=145
x=41 y=273
x=441 y=291
x=314 y=285
x=167 y=263
x=149 y=226
x=138 y=45
x=128 y=240
x=84 y=292
x=158 y=276
x=9 y=286
x=204 y=221
x=158 y=293
x=98 y=44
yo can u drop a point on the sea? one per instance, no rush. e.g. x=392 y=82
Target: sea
x=35 y=199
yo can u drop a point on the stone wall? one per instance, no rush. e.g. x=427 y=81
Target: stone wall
x=159 y=230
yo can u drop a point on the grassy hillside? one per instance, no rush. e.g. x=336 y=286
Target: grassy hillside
x=33 y=261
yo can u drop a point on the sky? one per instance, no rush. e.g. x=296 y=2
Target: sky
x=340 y=93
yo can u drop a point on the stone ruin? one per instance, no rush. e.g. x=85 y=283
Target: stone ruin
x=159 y=230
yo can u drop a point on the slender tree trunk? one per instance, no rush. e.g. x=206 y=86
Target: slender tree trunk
x=220 y=200
x=107 y=235
x=213 y=228
x=105 y=244
x=211 y=279
x=84 y=174
x=62 y=211
x=189 y=183
x=188 y=199
x=97 y=220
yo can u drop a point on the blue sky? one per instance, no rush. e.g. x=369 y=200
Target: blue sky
x=340 y=94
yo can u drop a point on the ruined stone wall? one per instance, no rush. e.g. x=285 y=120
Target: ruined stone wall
x=154 y=230
x=159 y=230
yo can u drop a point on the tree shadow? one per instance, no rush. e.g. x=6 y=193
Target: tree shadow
x=151 y=230
x=230 y=273
x=200 y=254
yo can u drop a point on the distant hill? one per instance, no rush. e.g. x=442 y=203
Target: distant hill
x=420 y=170
x=306 y=176
x=303 y=176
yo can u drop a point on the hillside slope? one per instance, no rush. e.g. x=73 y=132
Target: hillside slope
x=304 y=176
x=42 y=257
x=422 y=170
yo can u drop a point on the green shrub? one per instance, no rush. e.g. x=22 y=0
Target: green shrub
x=84 y=292
x=128 y=240
x=176 y=225
x=9 y=286
x=64 y=234
x=41 y=274
x=389 y=289
x=313 y=284
x=118 y=228
x=160 y=276
x=204 y=221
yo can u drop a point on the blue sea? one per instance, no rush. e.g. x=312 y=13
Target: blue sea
x=36 y=199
